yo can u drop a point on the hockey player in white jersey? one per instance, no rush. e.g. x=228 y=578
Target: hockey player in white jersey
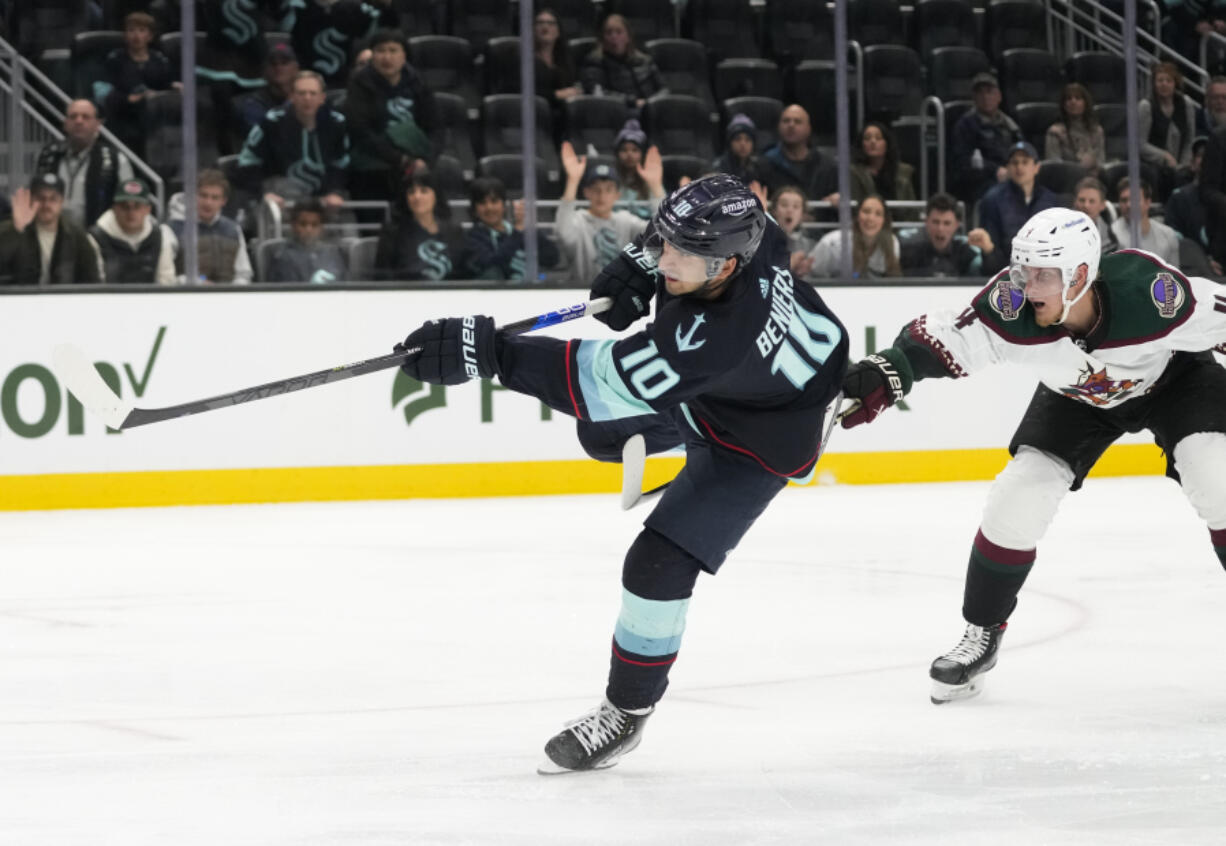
x=1119 y=346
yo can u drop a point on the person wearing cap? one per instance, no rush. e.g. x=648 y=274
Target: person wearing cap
x=594 y=236
x=131 y=74
x=40 y=245
x=740 y=153
x=280 y=69
x=298 y=150
x=391 y=114
x=1004 y=208
x=90 y=167
x=639 y=170
x=135 y=248
x=981 y=141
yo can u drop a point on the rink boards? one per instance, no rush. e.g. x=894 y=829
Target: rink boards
x=382 y=436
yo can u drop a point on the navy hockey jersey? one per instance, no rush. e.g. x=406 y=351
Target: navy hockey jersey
x=751 y=371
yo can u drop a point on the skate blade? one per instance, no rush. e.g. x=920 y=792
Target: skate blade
x=942 y=692
x=549 y=768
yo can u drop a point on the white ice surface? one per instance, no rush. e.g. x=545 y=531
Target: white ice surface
x=387 y=673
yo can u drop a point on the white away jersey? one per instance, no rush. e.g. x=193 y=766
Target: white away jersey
x=1150 y=311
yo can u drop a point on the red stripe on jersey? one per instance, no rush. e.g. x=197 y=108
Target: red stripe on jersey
x=626 y=660
x=570 y=387
x=1000 y=554
x=743 y=451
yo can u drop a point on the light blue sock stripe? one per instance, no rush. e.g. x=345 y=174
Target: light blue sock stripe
x=650 y=626
x=605 y=393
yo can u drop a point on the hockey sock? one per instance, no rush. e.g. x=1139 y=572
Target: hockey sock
x=994 y=577
x=657 y=581
x=1218 y=536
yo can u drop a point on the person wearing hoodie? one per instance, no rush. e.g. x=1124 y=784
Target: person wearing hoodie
x=740 y=152
x=635 y=166
x=298 y=150
x=135 y=248
x=420 y=242
x=494 y=246
x=594 y=236
x=390 y=113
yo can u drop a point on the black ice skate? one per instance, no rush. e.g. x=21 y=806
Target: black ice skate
x=958 y=674
x=595 y=741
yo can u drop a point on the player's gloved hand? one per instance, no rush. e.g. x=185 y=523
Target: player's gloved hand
x=873 y=385
x=453 y=350
x=630 y=289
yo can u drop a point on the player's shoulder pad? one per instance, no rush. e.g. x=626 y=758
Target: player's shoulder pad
x=1004 y=310
x=1148 y=296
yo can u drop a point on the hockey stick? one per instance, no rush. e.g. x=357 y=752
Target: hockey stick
x=84 y=381
x=634 y=459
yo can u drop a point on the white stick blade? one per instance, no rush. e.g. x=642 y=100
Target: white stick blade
x=81 y=377
x=634 y=462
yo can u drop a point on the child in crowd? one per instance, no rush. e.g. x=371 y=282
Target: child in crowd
x=305 y=256
x=494 y=246
x=594 y=236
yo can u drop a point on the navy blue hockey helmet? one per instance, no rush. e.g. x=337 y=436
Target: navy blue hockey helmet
x=715 y=217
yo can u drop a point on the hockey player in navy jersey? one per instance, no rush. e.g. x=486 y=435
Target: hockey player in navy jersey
x=1119 y=346
x=739 y=365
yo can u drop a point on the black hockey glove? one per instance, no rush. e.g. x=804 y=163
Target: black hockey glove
x=873 y=385
x=453 y=350
x=630 y=289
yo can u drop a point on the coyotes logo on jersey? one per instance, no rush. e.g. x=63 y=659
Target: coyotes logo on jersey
x=1094 y=387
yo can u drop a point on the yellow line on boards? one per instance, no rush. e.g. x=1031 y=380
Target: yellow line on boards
x=527 y=478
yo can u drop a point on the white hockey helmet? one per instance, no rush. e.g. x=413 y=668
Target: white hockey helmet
x=1061 y=238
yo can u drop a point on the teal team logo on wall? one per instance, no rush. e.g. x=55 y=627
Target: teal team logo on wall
x=57 y=403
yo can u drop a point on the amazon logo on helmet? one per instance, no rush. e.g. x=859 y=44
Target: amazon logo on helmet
x=714 y=216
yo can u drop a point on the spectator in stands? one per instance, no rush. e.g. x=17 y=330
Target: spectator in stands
x=555 y=74
x=595 y=236
x=391 y=113
x=280 y=69
x=135 y=248
x=981 y=141
x=361 y=60
x=1212 y=116
x=939 y=250
x=788 y=207
x=617 y=67
x=1183 y=211
x=1166 y=123
x=1213 y=194
x=874 y=247
x=494 y=246
x=1006 y=207
x=130 y=75
x=876 y=168
x=740 y=154
x=305 y=257
x=90 y=167
x=41 y=245
x=1187 y=21
x=420 y=242
x=793 y=161
x=1156 y=237
x=640 y=171
x=299 y=150
x=221 y=248
x=1077 y=136
x=325 y=32
x=1090 y=196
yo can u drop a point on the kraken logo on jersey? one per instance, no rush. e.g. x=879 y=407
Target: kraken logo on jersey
x=434 y=255
x=1167 y=294
x=329 y=46
x=240 y=15
x=607 y=247
x=307 y=173
x=400 y=109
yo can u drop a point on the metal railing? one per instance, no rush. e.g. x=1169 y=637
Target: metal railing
x=27 y=107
